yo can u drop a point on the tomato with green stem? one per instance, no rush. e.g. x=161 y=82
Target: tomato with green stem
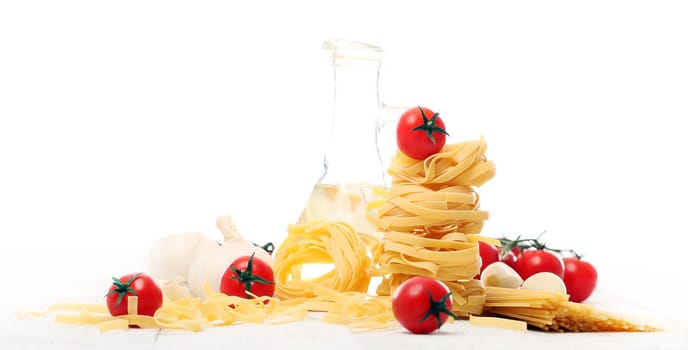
x=510 y=256
x=420 y=133
x=140 y=285
x=511 y=249
x=422 y=304
x=248 y=274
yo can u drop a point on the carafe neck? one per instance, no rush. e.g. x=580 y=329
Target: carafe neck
x=352 y=154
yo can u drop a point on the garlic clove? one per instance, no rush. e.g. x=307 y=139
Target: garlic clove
x=499 y=274
x=174 y=289
x=546 y=282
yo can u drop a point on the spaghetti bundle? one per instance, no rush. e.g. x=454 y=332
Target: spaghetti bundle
x=551 y=311
x=321 y=243
x=431 y=219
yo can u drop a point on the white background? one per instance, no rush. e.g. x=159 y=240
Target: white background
x=125 y=121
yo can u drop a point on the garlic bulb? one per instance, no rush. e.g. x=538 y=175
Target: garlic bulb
x=195 y=259
x=171 y=256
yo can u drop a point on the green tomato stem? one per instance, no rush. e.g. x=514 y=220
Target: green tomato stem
x=247 y=278
x=122 y=288
x=437 y=308
x=429 y=126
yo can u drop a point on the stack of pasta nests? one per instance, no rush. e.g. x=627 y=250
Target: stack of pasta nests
x=431 y=222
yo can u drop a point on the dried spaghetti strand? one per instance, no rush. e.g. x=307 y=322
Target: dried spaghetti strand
x=550 y=311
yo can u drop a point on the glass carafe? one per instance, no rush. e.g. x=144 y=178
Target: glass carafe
x=353 y=165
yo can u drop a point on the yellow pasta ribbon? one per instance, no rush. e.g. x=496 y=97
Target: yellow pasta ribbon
x=318 y=242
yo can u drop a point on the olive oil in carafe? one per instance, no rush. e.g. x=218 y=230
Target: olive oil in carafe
x=342 y=202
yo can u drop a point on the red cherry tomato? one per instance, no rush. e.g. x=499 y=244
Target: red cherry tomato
x=580 y=278
x=533 y=261
x=420 y=133
x=140 y=285
x=422 y=304
x=511 y=257
x=488 y=255
x=516 y=251
x=248 y=274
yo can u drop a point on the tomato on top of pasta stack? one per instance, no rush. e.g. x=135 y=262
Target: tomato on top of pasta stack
x=431 y=221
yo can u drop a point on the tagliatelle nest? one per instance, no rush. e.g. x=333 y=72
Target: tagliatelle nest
x=321 y=243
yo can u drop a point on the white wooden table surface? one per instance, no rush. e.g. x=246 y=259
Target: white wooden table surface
x=85 y=279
